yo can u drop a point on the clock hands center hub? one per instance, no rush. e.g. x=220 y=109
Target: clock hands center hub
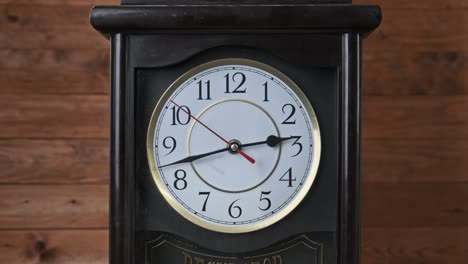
x=234 y=146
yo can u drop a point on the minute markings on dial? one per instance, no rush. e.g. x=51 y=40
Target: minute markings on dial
x=272 y=141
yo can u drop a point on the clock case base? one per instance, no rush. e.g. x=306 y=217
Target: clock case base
x=145 y=38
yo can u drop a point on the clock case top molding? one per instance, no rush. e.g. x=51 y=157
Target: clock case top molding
x=165 y=34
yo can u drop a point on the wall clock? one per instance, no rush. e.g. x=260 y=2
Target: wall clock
x=235 y=130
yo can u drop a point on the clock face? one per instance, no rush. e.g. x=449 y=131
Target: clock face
x=233 y=145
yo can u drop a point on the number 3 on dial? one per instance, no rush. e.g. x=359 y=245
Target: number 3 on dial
x=234 y=145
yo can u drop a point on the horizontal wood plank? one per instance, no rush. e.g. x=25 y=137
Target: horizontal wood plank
x=59 y=71
x=415 y=117
x=53 y=206
x=414 y=245
x=54 y=247
x=76 y=38
x=48 y=81
x=54 y=116
x=404 y=160
x=43 y=17
x=415 y=73
x=434 y=23
x=54 y=161
x=398 y=205
x=58 y=60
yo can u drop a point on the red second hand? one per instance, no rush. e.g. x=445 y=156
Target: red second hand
x=247 y=157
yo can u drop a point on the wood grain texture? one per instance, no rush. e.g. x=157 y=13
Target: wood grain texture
x=43 y=17
x=54 y=161
x=54 y=116
x=53 y=206
x=420 y=49
x=46 y=81
x=58 y=60
x=77 y=38
x=415 y=117
x=54 y=247
x=410 y=72
x=59 y=71
x=407 y=160
x=414 y=245
x=403 y=205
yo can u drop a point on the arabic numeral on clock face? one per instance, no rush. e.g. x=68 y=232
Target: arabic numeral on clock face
x=207 y=90
x=238 y=79
x=265 y=86
x=287 y=177
x=207 y=194
x=180 y=183
x=265 y=200
x=290 y=110
x=298 y=144
x=234 y=210
x=169 y=143
x=180 y=116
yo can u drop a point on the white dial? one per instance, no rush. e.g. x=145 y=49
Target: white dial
x=234 y=145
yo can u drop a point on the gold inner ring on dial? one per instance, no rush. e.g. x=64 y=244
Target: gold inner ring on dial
x=268 y=174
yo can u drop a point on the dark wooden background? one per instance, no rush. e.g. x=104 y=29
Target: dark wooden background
x=54 y=134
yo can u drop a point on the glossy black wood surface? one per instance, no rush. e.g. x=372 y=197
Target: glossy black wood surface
x=320 y=18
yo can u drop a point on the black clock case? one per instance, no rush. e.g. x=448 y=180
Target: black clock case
x=168 y=40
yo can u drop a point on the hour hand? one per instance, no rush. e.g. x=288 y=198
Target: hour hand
x=272 y=141
x=195 y=157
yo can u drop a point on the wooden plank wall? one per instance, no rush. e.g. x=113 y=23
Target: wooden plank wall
x=54 y=131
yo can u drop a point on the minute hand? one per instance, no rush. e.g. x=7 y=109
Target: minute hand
x=271 y=141
x=196 y=157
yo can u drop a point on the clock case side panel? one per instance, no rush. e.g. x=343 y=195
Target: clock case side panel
x=350 y=150
x=121 y=157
